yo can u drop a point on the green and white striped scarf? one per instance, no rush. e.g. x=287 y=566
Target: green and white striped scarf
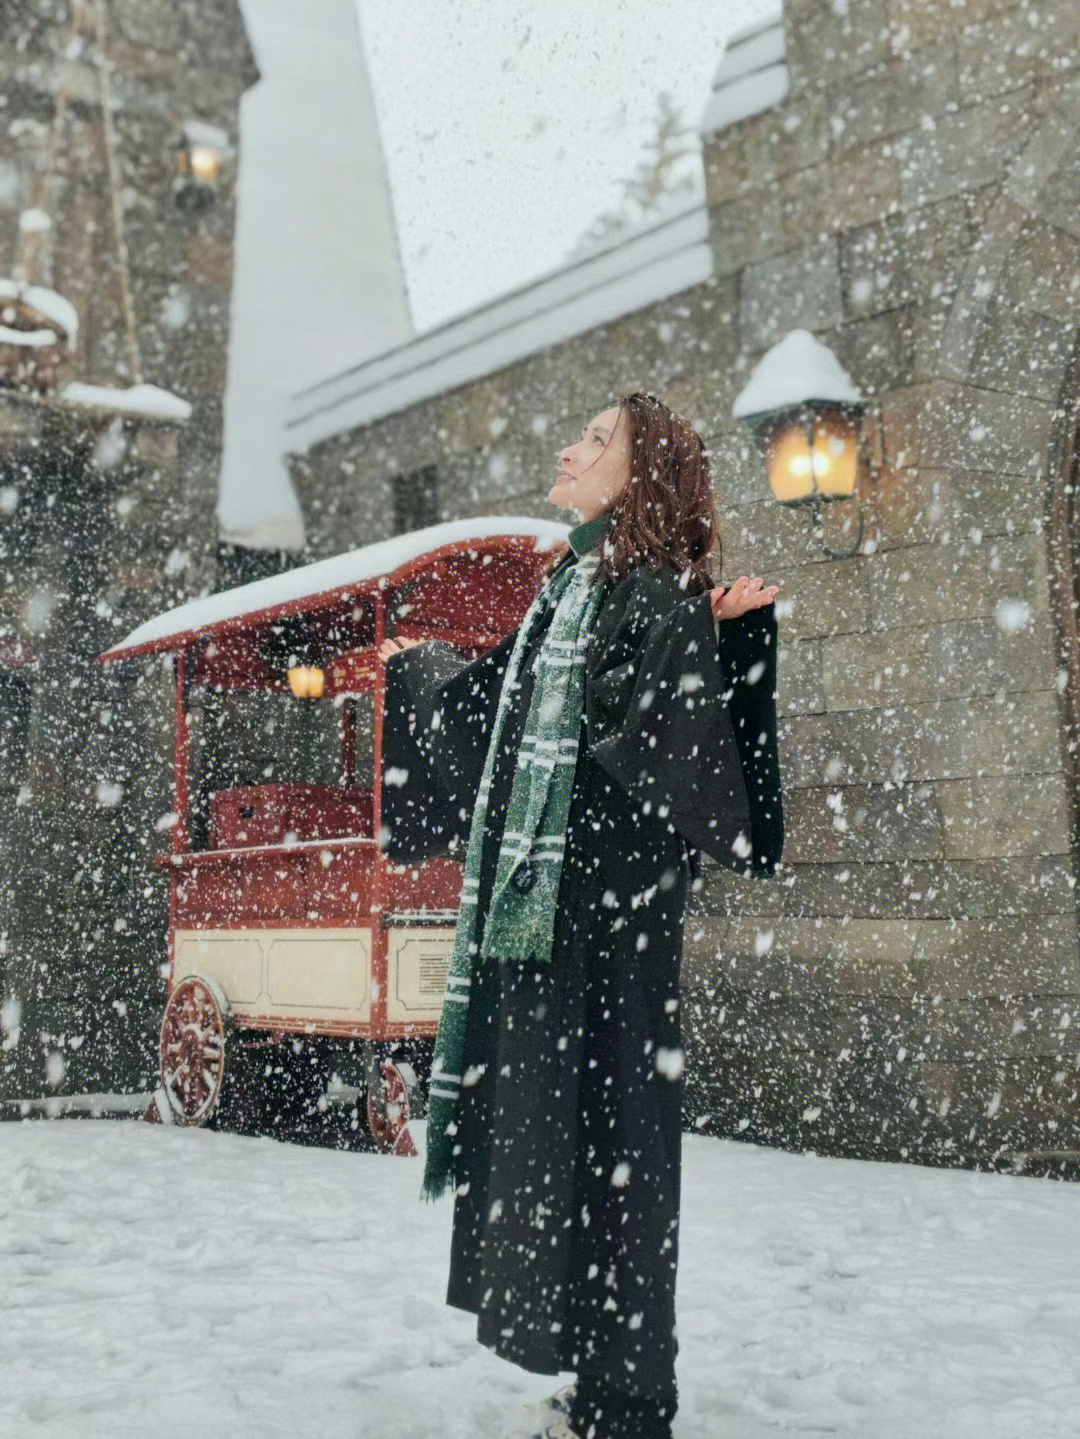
x=520 y=923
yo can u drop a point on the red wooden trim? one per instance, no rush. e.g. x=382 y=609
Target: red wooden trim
x=309 y=604
x=379 y=969
x=211 y=856
x=417 y=630
x=377 y=727
x=174 y=882
x=365 y=921
x=181 y=752
x=348 y=743
x=338 y=1028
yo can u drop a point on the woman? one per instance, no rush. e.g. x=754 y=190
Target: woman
x=582 y=762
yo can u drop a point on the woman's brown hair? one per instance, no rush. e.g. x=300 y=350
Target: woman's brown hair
x=666 y=514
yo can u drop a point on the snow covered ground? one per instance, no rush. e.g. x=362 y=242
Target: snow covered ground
x=155 y=1281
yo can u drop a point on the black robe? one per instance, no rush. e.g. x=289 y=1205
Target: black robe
x=565 y=1231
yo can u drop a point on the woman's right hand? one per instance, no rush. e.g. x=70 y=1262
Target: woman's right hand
x=392 y=647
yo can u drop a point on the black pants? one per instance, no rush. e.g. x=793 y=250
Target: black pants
x=601 y=1412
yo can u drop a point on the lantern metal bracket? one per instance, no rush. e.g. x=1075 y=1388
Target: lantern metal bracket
x=815 y=507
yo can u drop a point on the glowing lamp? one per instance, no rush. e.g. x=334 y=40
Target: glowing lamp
x=812 y=454
x=306 y=682
x=200 y=155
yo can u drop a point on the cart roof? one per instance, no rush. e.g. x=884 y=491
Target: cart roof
x=385 y=564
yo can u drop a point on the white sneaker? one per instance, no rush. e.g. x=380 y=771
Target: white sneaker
x=555 y=1428
x=562 y=1401
x=534 y=1416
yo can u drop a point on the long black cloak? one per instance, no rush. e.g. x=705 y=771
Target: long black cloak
x=565 y=1232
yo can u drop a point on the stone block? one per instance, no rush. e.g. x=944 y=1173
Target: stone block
x=978 y=140
x=866 y=823
x=776 y=143
x=1021 y=351
x=762 y=536
x=935 y=582
x=826 y=43
x=799 y=288
x=945 y=739
x=896 y=96
x=1029 y=955
x=1043 y=273
x=745 y=229
x=916 y=24
x=1059 y=199
x=978 y=428
x=1005 y=815
x=927 y=505
x=991 y=1025
x=920 y=665
x=904 y=889
x=823 y=599
x=866 y=181
x=796 y=956
x=905 y=258
x=798 y=677
x=1015 y=46
x=738 y=470
x=807 y=210
x=881 y=349
x=727 y=166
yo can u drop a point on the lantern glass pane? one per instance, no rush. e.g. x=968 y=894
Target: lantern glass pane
x=796 y=474
x=836 y=455
x=787 y=461
x=205 y=164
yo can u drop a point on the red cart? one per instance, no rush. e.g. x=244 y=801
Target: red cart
x=297 y=949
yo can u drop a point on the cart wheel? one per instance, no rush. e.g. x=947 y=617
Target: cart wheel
x=193 y=1049
x=388 y=1110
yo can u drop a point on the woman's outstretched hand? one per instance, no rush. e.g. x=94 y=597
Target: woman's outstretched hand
x=745 y=594
x=392 y=647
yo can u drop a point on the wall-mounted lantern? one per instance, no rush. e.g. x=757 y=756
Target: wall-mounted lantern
x=201 y=152
x=807 y=417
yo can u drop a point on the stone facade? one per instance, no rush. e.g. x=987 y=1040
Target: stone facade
x=103 y=522
x=910 y=988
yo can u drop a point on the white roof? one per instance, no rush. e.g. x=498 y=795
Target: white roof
x=143 y=401
x=53 y=306
x=354 y=567
x=637 y=270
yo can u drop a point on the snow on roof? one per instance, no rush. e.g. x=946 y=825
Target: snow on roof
x=148 y=402
x=796 y=369
x=47 y=303
x=323 y=576
x=752 y=76
x=28 y=339
x=648 y=265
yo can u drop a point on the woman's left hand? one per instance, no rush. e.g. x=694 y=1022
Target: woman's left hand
x=745 y=594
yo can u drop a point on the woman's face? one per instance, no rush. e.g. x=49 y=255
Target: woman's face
x=595 y=471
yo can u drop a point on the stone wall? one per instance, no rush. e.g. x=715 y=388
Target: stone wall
x=104 y=524
x=909 y=988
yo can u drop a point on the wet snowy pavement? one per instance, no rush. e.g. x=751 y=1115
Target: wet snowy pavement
x=157 y=1281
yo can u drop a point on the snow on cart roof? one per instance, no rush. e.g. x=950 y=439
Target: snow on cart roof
x=174 y=628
